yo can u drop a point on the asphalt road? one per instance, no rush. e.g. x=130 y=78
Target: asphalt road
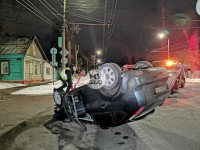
x=173 y=126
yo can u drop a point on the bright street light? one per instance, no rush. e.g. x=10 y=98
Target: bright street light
x=98 y=52
x=161 y=35
x=99 y=61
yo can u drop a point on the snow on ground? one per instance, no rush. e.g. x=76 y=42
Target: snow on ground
x=48 y=88
x=4 y=85
x=192 y=80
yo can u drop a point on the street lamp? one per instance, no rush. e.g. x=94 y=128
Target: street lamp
x=98 y=52
x=98 y=61
x=163 y=35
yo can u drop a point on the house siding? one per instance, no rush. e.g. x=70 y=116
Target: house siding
x=33 y=68
x=27 y=61
x=16 y=67
x=34 y=51
x=47 y=71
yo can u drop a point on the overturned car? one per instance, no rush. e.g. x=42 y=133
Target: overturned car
x=115 y=97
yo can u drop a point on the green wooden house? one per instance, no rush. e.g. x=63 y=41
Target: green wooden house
x=23 y=60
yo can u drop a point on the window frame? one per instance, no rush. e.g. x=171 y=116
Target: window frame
x=48 y=69
x=8 y=67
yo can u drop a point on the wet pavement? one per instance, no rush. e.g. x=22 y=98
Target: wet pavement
x=27 y=123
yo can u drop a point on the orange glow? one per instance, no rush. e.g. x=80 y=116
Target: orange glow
x=169 y=63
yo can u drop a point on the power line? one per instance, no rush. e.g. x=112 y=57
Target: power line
x=59 y=2
x=111 y=29
x=34 y=13
x=88 y=24
x=86 y=17
x=49 y=10
x=53 y=8
x=171 y=49
x=38 y=11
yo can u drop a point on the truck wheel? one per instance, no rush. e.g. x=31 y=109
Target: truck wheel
x=182 y=84
x=175 y=89
x=110 y=76
x=143 y=64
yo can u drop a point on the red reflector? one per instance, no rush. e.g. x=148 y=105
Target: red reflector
x=136 y=113
x=137 y=74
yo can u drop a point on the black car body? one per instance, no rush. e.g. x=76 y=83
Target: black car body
x=135 y=95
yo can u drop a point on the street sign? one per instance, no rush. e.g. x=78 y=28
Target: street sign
x=53 y=51
x=66 y=61
x=60 y=42
x=66 y=52
x=54 y=64
x=53 y=58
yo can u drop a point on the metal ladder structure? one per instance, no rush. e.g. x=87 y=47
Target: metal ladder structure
x=173 y=76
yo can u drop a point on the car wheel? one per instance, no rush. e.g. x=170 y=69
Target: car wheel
x=143 y=64
x=110 y=76
x=57 y=95
x=68 y=106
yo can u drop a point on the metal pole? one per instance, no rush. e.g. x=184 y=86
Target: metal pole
x=53 y=75
x=63 y=36
x=168 y=46
x=95 y=61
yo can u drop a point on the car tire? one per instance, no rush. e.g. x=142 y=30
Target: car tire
x=58 y=95
x=68 y=106
x=142 y=65
x=110 y=75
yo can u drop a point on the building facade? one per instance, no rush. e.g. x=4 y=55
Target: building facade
x=23 y=60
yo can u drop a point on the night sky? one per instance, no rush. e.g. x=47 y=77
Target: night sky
x=132 y=33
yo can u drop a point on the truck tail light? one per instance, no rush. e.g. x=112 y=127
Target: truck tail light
x=169 y=63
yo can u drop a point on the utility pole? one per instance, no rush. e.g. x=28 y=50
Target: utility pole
x=94 y=59
x=69 y=48
x=87 y=66
x=76 y=51
x=63 y=36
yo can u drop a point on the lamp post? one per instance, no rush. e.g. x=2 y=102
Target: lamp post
x=163 y=35
x=168 y=46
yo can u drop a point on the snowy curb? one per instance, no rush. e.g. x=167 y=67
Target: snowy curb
x=48 y=88
x=4 y=85
x=192 y=80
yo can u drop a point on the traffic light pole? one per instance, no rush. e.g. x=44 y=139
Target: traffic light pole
x=63 y=36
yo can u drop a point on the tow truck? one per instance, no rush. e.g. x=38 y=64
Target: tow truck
x=176 y=73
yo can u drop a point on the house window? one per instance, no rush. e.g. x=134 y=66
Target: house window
x=39 y=68
x=47 y=71
x=4 y=67
x=35 y=68
x=31 y=68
